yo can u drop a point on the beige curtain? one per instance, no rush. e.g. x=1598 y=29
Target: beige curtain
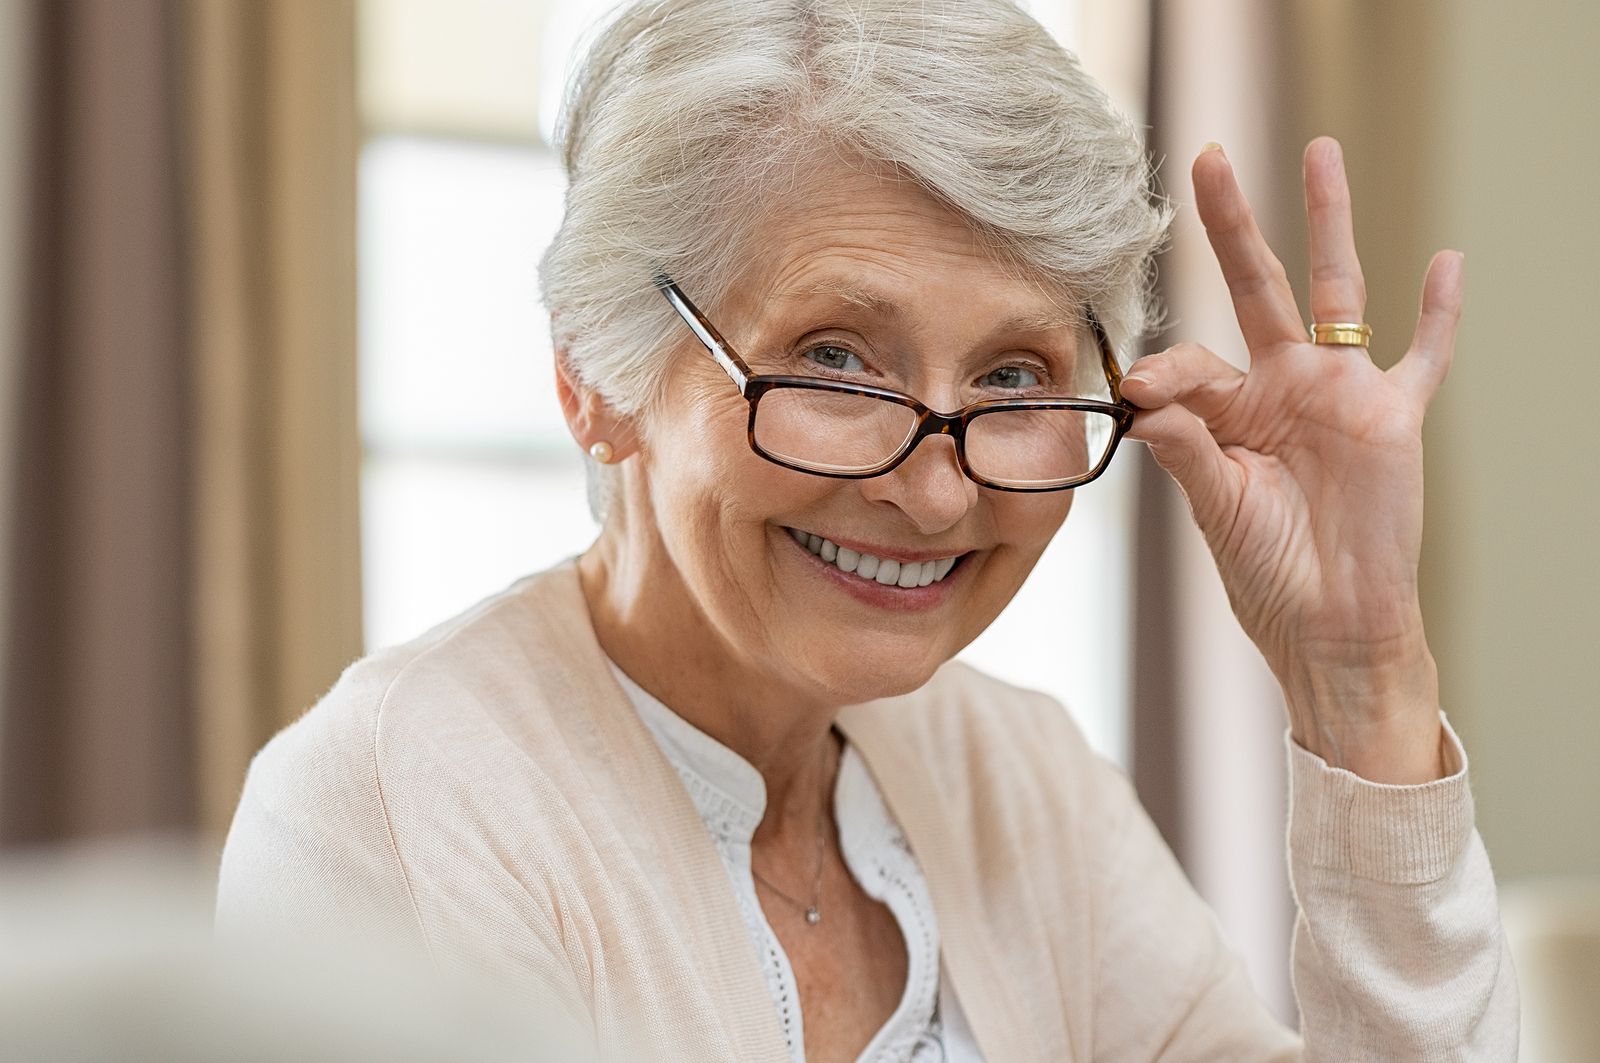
x=271 y=164
x=1208 y=717
x=15 y=138
x=182 y=563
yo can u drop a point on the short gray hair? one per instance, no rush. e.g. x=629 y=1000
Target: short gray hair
x=687 y=118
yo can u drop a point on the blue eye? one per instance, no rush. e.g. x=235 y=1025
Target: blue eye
x=836 y=358
x=1012 y=377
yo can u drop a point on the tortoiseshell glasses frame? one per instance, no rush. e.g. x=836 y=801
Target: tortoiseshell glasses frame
x=929 y=422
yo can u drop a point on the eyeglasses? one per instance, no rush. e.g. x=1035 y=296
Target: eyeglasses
x=855 y=431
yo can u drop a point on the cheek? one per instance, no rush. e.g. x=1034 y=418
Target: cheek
x=1026 y=523
x=711 y=492
x=694 y=436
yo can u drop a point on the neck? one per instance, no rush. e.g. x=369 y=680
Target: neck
x=649 y=624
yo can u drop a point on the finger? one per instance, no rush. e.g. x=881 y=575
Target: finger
x=1425 y=365
x=1188 y=373
x=1338 y=290
x=1182 y=446
x=1262 y=298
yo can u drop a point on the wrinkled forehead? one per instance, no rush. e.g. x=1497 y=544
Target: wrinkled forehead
x=883 y=248
x=1012 y=310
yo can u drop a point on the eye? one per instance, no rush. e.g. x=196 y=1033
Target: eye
x=836 y=358
x=1012 y=377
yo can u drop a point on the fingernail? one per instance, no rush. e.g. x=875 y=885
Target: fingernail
x=1211 y=145
x=1137 y=378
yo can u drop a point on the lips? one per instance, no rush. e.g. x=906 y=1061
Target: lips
x=886 y=571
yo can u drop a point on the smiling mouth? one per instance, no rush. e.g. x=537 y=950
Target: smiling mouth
x=887 y=572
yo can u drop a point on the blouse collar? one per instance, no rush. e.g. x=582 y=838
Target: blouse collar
x=728 y=791
x=730 y=794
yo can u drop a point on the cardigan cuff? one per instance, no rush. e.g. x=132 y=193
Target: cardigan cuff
x=1402 y=835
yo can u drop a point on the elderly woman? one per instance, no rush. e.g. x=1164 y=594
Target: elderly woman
x=844 y=300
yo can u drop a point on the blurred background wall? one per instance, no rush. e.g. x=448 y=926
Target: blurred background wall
x=1514 y=569
x=274 y=390
x=1470 y=124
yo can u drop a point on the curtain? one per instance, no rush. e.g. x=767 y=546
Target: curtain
x=182 y=560
x=15 y=83
x=274 y=138
x=1208 y=718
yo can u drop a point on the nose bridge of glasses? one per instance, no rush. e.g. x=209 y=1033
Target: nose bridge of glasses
x=936 y=424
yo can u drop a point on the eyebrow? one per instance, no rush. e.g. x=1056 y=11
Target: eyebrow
x=883 y=306
x=844 y=291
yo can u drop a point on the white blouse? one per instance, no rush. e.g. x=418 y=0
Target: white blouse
x=927 y=1026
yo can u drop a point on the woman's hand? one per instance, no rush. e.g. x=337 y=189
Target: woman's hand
x=1305 y=474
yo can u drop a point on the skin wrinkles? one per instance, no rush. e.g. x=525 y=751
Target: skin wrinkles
x=1021 y=317
x=799 y=322
x=698 y=593
x=1051 y=335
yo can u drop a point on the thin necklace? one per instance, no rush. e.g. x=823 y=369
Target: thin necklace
x=813 y=911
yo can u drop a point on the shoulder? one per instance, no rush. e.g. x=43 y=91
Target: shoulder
x=390 y=764
x=443 y=693
x=430 y=684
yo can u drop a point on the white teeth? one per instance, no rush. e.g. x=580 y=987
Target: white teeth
x=889 y=573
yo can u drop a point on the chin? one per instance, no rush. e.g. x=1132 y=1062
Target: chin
x=860 y=673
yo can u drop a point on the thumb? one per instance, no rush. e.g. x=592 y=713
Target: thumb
x=1185 y=448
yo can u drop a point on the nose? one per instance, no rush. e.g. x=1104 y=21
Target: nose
x=928 y=487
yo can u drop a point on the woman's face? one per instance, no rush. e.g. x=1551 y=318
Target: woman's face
x=864 y=279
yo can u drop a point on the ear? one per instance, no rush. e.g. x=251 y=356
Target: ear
x=589 y=417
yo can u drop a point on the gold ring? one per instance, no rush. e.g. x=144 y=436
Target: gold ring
x=1342 y=333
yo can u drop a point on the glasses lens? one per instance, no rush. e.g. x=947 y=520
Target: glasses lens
x=831 y=431
x=1038 y=448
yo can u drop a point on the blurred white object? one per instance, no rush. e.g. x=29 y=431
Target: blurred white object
x=1553 y=925
x=107 y=954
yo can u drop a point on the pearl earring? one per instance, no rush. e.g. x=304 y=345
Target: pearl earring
x=601 y=452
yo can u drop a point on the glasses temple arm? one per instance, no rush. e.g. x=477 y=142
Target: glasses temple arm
x=731 y=363
x=1108 y=357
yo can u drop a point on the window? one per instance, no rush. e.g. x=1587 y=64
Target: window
x=469 y=477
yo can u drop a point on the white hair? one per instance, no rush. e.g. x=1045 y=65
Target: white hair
x=689 y=117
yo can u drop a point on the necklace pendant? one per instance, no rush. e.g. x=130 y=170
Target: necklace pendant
x=813 y=916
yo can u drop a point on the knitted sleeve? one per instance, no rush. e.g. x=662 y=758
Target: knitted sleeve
x=1398 y=950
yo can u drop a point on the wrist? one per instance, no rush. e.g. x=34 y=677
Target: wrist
x=1376 y=716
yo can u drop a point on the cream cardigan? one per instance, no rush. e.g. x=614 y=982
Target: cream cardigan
x=487 y=791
